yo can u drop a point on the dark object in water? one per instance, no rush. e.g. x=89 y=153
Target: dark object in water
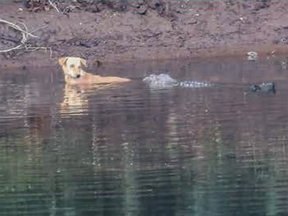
x=164 y=81
x=264 y=87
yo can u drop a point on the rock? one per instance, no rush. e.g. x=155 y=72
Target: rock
x=261 y=5
x=252 y=56
x=87 y=44
x=142 y=9
x=159 y=6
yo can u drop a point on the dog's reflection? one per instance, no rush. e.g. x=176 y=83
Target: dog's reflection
x=75 y=102
x=75 y=99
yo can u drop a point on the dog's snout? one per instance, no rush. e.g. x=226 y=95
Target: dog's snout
x=78 y=76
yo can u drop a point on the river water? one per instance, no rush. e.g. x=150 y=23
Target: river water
x=132 y=150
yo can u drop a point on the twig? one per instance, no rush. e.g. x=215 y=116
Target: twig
x=32 y=49
x=54 y=6
x=37 y=29
x=9 y=39
x=17 y=27
x=69 y=8
x=25 y=36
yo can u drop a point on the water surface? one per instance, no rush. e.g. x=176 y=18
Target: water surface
x=132 y=150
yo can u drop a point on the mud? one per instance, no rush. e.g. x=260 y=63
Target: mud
x=103 y=31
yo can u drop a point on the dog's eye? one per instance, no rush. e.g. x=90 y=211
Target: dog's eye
x=72 y=66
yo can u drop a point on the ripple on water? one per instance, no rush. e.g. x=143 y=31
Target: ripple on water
x=132 y=150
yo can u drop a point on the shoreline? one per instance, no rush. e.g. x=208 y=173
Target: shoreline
x=42 y=58
x=144 y=31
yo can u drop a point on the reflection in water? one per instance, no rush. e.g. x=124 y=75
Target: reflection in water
x=136 y=151
x=74 y=101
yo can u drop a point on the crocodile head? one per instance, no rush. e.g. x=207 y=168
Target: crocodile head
x=160 y=81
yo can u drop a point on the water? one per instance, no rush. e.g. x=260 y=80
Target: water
x=133 y=150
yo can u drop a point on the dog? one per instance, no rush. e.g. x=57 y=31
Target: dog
x=79 y=83
x=74 y=74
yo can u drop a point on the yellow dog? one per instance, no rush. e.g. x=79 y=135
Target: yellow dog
x=79 y=82
x=74 y=74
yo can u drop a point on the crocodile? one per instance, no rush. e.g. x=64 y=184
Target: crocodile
x=263 y=87
x=163 y=81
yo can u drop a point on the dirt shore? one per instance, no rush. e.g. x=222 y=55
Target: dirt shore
x=141 y=30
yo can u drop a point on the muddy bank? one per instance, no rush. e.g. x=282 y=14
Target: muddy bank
x=141 y=30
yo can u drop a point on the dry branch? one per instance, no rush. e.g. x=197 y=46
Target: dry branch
x=24 y=32
x=25 y=36
x=54 y=6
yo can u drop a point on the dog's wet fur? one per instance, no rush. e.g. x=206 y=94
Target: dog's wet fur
x=74 y=74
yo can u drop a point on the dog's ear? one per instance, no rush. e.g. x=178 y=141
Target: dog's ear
x=62 y=61
x=84 y=62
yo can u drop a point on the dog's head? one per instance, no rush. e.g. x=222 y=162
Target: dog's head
x=72 y=66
